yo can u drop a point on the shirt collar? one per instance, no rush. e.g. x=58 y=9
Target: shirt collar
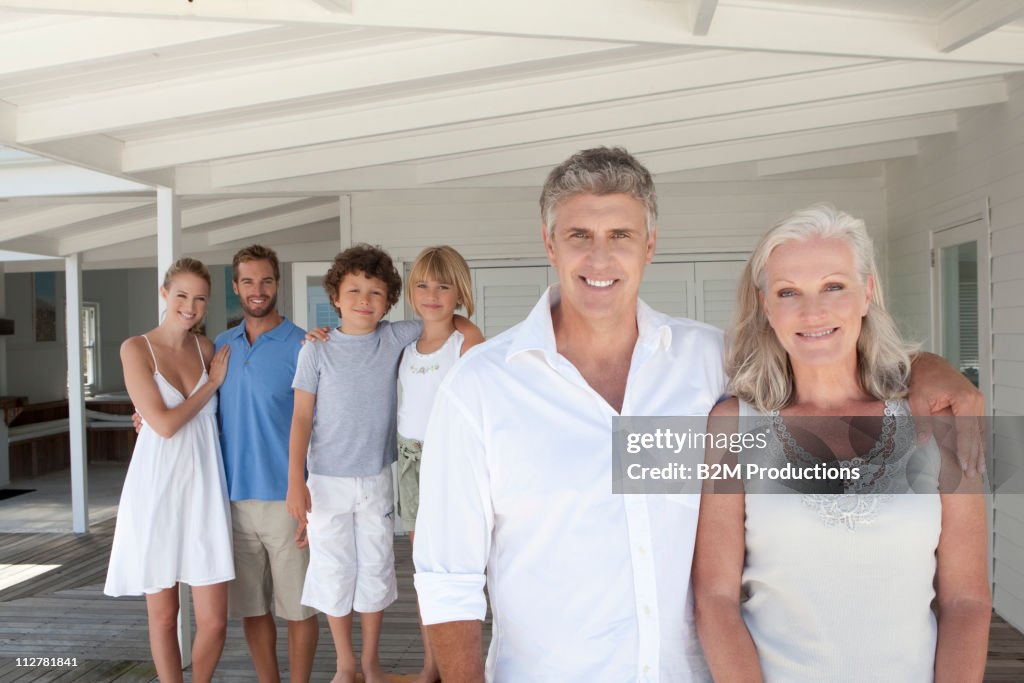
x=537 y=333
x=277 y=333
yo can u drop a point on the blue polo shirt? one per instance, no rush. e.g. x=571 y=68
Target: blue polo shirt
x=255 y=410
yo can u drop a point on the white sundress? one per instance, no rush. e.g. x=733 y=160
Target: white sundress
x=174 y=519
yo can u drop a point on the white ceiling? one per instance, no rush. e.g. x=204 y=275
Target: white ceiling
x=260 y=112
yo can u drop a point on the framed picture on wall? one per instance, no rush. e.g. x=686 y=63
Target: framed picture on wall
x=44 y=306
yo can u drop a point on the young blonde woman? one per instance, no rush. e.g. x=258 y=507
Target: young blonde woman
x=173 y=521
x=869 y=582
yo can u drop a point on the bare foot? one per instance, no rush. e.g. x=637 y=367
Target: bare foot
x=344 y=677
x=374 y=674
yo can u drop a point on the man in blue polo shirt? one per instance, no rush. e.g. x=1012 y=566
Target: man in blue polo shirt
x=255 y=415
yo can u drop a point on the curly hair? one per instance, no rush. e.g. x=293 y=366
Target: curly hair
x=370 y=261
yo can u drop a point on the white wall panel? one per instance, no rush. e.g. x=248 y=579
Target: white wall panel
x=953 y=175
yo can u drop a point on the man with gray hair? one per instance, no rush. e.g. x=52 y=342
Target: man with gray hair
x=516 y=480
x=517 y=466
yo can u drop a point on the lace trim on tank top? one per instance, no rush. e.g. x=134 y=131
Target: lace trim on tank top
x=882 y=470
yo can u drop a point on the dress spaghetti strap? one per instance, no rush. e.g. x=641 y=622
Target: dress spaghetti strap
x=156 y=368
x=199 y=348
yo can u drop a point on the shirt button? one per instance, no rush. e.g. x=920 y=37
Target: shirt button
x=647 y=669
x=640 y=549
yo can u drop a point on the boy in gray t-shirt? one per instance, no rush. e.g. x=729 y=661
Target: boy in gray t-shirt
x=344 y=417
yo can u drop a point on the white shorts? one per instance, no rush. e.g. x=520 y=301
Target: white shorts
x=351 y=544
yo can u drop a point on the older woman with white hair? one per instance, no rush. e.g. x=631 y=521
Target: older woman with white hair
x=853 y=583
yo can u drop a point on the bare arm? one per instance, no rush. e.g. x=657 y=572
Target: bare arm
x=457 y=647
x=718 y=571
x=471 y=333
x=935 y=385
x=297 y=500
x=145 y=394
x=964 y=600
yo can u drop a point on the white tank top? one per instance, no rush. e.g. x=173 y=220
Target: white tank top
x=838 y=588
x=419 y=376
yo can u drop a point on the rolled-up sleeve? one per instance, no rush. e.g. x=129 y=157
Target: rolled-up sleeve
x=456 y=518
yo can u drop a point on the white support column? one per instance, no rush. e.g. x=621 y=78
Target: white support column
x=168 y=249
x=345 y=220
x=168 y=233
x=76 y=395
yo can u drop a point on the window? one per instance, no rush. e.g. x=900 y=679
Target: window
x=91 y=347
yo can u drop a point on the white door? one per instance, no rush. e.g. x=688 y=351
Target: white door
x=310 y=305
x=961 y=310
x=716 y=283
x=505 y=296
x=960 y=307
x=669 y=288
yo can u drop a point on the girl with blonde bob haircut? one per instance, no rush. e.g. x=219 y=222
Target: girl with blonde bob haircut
x=875 y=572
x=442 y=264
x=438 y=284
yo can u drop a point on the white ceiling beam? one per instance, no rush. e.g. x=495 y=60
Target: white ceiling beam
x=195 y=181
x=805 y=142
x=974 y=20
x=771 y=26
x=642 y=77
x=74 y=199
x=63 y=179
x=32 y=245
x=838 y=157
x=838 y=112
x=701 y=14
x=53 y=217
x=401 y=177
x=319 y=210
x=99 y=153
x=138 y=223
x=88 y=39
x=230 y=89
x=596 y=120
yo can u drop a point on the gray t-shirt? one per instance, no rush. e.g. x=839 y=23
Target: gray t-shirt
x=355 y=382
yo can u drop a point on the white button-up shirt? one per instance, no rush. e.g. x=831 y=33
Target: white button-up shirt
x=516 y=486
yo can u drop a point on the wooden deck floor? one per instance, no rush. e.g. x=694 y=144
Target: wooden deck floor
x=63 y=613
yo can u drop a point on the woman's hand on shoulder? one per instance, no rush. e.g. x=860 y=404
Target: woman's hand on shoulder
x=935 y=385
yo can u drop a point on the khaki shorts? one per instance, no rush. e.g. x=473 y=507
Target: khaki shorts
x=409 y=452
x=268 y=566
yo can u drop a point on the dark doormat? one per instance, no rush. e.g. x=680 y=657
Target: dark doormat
x=11 y=493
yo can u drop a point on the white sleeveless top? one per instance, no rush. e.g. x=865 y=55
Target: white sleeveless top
x=419 y=376
x=838 y=587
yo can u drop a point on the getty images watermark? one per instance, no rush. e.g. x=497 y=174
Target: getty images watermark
x=812 y=455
